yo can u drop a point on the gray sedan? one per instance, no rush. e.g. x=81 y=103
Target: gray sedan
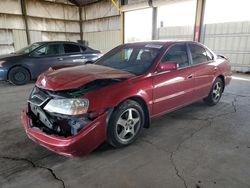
x=29 y=62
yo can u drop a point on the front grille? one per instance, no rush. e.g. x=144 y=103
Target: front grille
x=38 y=97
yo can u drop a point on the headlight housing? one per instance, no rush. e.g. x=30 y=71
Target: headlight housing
x=75 y=106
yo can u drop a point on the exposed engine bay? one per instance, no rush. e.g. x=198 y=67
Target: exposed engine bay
x=60 y=124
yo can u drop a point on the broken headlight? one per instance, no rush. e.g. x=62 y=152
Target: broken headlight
x=68 y=106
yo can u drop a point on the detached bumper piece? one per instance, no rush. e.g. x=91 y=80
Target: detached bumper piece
x=70 y=136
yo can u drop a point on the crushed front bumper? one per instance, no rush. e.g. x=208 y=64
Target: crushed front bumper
x=88 y=139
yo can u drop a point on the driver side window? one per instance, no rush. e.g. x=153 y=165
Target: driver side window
x=177 y=53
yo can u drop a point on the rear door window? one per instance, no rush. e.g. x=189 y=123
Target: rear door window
x=198 y=53
x=71 y=48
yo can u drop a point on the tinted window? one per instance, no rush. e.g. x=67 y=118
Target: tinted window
x=71 y=48
x=198 y=53
x=47 y=50
x=177 y=53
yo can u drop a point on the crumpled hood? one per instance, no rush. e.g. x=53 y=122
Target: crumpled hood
x=77 y=76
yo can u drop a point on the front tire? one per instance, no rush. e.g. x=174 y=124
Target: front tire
x=215 y=93
x=125 y=124
x=19 y=76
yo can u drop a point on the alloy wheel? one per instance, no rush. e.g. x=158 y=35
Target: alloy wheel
x=19 y=76
x=128 y=124
x=217 y=90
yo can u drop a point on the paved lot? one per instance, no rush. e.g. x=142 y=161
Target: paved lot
x=197 y=146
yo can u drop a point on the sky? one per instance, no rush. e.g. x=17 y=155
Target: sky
x=218 y=11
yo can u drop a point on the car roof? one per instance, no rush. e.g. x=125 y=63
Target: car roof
x=67 y=42
x=161 y=42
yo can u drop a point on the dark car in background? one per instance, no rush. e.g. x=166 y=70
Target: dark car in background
x=28 y=63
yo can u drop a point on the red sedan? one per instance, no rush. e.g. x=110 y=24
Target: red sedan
x=72 y=110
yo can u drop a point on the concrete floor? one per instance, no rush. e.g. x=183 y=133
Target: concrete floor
x=197 y=146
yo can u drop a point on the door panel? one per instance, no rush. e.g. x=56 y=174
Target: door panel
x=74 y=58
x=44 y=57
x=204 y=75
x=204 y=70
x=172 y=90
x=39 y=65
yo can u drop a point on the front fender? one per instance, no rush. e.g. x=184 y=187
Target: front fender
x=111 y=96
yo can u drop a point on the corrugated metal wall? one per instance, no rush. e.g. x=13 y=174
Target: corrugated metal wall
x=176 y=33
x=58 y=21
x=101 y=25
x=104 y=40
x=46 y=20
x=19 y=38
x=55 y=21
x=232 y=40
x=9 y=19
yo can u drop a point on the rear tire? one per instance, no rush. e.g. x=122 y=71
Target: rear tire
x=19 y=76
x=125 y=124
x=215 y=93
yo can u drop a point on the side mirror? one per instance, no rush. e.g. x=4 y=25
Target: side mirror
x=167 y=66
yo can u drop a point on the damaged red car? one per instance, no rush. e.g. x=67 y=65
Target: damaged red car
x=73 y=109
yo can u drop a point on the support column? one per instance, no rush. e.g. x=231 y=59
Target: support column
x=200 y=7
x=80 y=22
x=154 y=24
x=24 y=14
x=121 y=19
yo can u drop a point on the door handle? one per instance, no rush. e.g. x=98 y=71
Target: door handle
x=190 y=76
x=59 y=59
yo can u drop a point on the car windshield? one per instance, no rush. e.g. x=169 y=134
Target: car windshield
x=28 y=49
x=133 y=59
